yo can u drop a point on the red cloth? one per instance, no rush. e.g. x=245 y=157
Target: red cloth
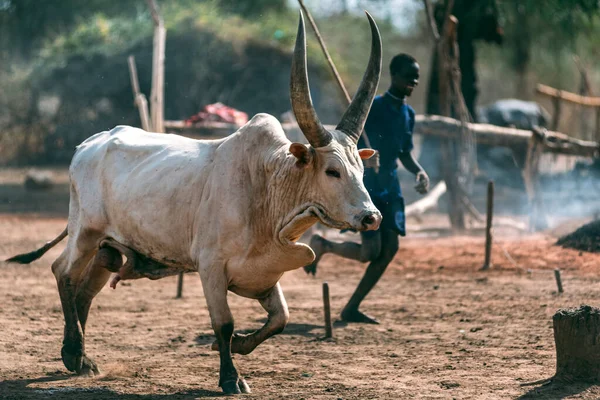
x=218 y=112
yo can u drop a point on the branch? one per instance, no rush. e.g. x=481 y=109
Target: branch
x=447 y=13
x=588 y=101
x=432 y=25
x=158 y=21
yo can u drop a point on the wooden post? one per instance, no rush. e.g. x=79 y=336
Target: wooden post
x=537 y=219
x=488 y=226
x=447 y=56
x=158 y=69
x=556 y=115
x=327 y=310
x=597 y=138
x=448 y=72
x=138 y=97
x=558 y=280
x=179 y=286
x=585 y=89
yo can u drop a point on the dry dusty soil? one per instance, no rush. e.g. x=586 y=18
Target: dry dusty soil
x=447 y=330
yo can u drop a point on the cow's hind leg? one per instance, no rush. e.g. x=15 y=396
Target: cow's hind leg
x=68 y=270
x=215 y=286
x=278 y=316
x=94 y=278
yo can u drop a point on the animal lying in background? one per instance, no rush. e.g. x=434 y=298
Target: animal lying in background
x=514 y=113
x=502 y=164
x=231 y=209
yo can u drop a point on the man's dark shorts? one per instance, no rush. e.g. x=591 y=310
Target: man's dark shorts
x=393 y=215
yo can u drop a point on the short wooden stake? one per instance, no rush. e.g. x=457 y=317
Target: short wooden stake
x=327 y=310
x=558 y=280
x=487 y=264
x=179 y=285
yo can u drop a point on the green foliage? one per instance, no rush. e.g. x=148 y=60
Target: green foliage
x=551 y=25
x=102 y=34
x=24 y=24
x=95 y=35
x=253 y=8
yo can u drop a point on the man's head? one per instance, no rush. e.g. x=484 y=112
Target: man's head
x=404 y=71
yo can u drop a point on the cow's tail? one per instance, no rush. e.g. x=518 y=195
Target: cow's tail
x=34 y=255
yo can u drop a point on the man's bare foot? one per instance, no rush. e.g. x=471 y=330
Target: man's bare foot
x=357 y=316
x=316 y=243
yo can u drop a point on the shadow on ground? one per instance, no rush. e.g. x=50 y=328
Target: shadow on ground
x=20 y=389
x=555 y=391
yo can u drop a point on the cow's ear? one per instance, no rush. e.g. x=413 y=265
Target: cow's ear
x=302 y=153
x=365 y=154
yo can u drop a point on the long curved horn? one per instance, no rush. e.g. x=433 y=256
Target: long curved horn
x=302 y=105
x=353 y=120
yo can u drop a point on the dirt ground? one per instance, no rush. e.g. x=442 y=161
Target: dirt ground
x=447 y=330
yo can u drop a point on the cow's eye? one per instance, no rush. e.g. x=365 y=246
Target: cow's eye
x=333 y=172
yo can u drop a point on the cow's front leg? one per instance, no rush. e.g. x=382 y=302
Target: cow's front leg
x=275 y=305
x=214 y=284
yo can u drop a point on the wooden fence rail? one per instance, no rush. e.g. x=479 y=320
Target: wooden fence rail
x=558 y=96
x=554 y=142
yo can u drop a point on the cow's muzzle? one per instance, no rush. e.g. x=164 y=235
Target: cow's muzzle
x=370 y=220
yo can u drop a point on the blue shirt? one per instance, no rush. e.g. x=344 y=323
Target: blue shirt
x=389 y=127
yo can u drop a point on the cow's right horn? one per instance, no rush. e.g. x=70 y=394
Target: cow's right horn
x=302 y=105
x=353 y=120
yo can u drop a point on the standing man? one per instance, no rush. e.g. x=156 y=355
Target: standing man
x=389 y=127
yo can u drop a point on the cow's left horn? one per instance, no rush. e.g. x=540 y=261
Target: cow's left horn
x=353 y=120
x=305 y=113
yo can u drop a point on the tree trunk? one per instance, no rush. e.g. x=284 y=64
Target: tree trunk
x=521 y=45
x=577 y=339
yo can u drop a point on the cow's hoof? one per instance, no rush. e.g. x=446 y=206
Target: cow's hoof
x=311 y=269
x=79 y=363
x=231 y=387
x=239 y=344
x=357 y=316
x=72 y=360
x=244 y=388
x=88 y=367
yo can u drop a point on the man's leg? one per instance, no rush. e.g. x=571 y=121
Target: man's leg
x=368 y=250
x=389 y=248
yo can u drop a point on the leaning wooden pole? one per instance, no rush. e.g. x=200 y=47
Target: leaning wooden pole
x=138 y=97
x=158 y=69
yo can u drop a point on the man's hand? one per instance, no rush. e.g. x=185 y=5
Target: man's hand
x=422 y=185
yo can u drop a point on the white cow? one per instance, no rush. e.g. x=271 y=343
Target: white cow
x=231 y=209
